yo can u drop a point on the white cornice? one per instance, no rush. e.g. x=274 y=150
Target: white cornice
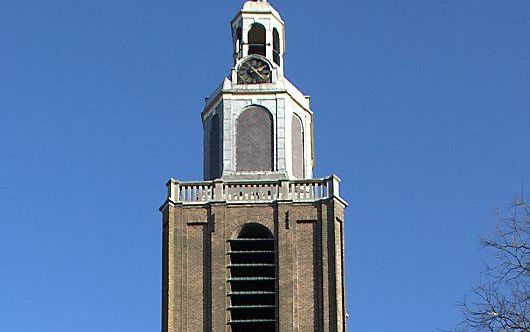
x=282 y=86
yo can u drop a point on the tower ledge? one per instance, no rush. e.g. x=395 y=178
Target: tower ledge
x=253 y=191
x=282 y=86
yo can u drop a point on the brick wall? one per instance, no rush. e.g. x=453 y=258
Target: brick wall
x=309 y=245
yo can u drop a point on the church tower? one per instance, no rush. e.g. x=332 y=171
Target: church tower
x=257 y=245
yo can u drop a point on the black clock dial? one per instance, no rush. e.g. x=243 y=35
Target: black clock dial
x=254 y=71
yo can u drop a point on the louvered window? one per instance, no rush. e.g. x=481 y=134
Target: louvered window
x=215 y=152
x=297 y=144
x=254 y=150
x=252 y=280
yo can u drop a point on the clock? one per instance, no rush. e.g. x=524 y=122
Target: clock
x=254 y=71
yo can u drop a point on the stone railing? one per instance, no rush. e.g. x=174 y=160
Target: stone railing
x=252 y=190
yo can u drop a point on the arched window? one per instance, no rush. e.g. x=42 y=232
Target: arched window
x=239 y=41
x=276 y=47
x=254 y=141
x=215 y=152
x=252 y=280
x=257 y=40
x=297 y=145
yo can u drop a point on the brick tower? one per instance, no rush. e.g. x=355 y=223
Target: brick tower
x=258 y=245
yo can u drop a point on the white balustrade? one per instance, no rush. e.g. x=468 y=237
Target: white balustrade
x=252 y=191
x=308 y=190
x=195 y=192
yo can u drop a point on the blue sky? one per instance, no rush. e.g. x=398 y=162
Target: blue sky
x=421 y=107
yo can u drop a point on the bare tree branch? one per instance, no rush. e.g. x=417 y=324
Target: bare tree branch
x=502 y=302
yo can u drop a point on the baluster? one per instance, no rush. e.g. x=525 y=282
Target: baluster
x=299 y=191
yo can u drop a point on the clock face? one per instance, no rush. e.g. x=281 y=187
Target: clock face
x=254 y=71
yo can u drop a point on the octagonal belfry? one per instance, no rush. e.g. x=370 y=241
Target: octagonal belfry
x=257 y=125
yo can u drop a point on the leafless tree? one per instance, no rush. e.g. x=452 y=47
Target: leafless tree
x=502 y=301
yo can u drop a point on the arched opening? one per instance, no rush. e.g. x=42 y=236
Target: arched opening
x=257 y=41
x=254 y=141
x=215 y=153
x=276 y=47
x=252 y=280
x=297 y=145
x=239 y=41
